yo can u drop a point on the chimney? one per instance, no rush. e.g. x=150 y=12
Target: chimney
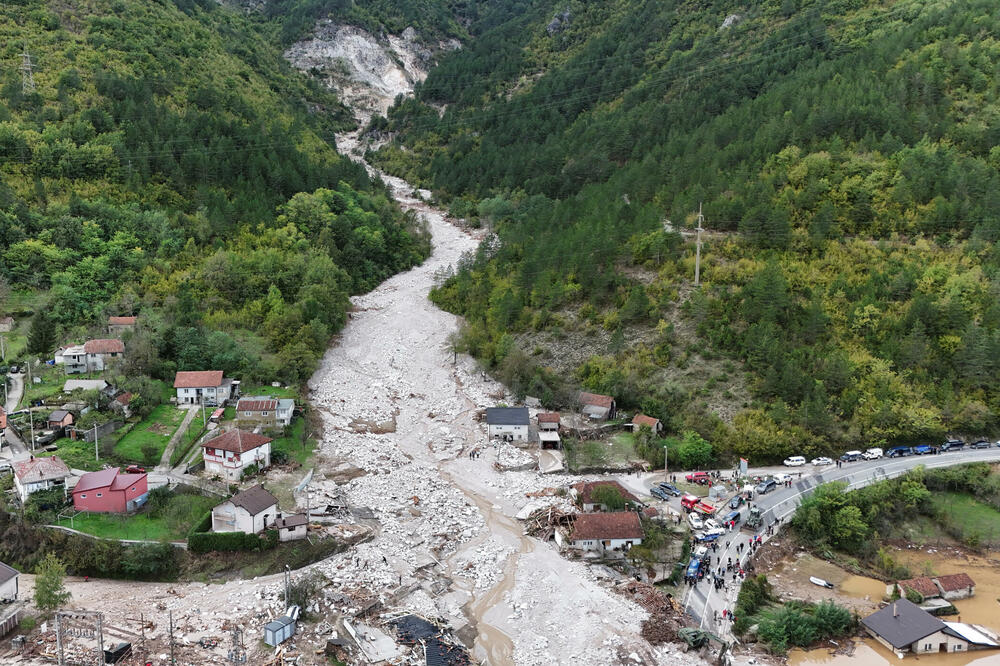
x=895 y=610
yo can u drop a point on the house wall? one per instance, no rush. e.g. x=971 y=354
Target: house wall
x=884 y=642
x=5 y=327
x=100 y=500
x=292 y=533
x=8 y=590
x=934 y=642
x=517 y=432
x=266 y=419
x=230 y=465
x=285 y=416
x=964 y=593
x=213 y=395
x=605 y=544
x=548 y=426
x=227 y=517
x=116 y=329
x=23 y=490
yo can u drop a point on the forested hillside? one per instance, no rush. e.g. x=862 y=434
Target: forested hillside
x=168 y=163
x=844 y=152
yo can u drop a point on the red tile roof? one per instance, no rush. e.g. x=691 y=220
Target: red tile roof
x=620 y=525
x=236 y=441
x=124 y=398
x=586 y=490
x=40 y=469
x=113 y=346
x=256 y=405
x=596 y=399
x=923 y=585
x=198 y=379
x=954 y=582
x=548 y=417
x=650 y=512
x=640 y=420
x=121 y=321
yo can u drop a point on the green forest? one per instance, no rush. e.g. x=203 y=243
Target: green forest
x=165 y=161
x=844 y=154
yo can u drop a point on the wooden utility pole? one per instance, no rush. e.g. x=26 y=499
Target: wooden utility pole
x=697 y=251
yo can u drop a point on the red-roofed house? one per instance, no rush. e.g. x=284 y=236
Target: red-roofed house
x=204 y=386
x=598 y=407
x=924 y=586
x=956 y=586
x=254 y=411
x=585 y=493
x=36 y=474
x=606 y=531
x=548 y=420
x=121 y=403
x=229 y=454
x=640 y=420
x=116 y=325
x=109 y=491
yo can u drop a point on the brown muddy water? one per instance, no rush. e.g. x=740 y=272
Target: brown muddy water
x=983 y=608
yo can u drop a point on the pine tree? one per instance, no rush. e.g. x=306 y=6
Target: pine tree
x=42 y=334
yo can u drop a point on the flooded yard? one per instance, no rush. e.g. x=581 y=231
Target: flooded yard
x=860 y=592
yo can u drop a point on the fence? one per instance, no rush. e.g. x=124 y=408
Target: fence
x=102 y=431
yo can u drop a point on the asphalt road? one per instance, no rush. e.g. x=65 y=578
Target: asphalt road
x=702 y=600
x=17 y=450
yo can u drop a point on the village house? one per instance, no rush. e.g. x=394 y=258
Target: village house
x=229 y=454
x=949 y=587
x=548 y=421
x=584 y=493
x=268 y=413
x=509 y=423
x=118 y=325
x=36 y=474
x=251 y=511
x=91 y=356
x=60 y=418
x=8 y=582
x=120 y=403
x=292 y=528
x=6 y=324
x=603 y=532
x=654 y=425
x=597 y=407
x=903 y=627
x=207 y=387
x=109 y=491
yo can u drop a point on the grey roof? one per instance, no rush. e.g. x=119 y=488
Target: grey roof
x=286 y=403
x=255 y=500
x=910 y=625
x=7 y=572
x=507 y=416
x=294 y=520
x=85 y=384
x=58 y=415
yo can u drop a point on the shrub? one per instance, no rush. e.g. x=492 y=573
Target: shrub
x=203 y=542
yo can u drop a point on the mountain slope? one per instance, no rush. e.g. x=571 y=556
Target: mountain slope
x=844 y=155
x=169 y=162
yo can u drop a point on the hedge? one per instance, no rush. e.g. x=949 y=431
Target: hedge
x=203 y=525
x=204 y=542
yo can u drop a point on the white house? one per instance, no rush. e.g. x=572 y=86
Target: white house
x=286 y=409
x=639 y=420
x=251 y=511
x=36 y=474
x=8 y=582
x=509 y=423
x=91 y=356
x=606 y=531
x=207 y=387
x=229 y=454
x=291 y=528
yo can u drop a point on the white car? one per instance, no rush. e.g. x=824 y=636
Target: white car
x=715 y=531
x=795 y=461
x=695 y=521
x=872 y=454
x=822 y=460
x=782 y=478
x=710 y=524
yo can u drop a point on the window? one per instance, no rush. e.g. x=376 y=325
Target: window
x=247 y=413
x=100 y=494
x=83 y=496
x=263 y=413
x=928 y=646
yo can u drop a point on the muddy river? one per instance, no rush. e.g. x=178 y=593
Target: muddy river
x=858 y=591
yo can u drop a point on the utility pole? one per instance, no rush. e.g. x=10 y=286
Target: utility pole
x=171 y=618
x=697 y=252
x=3 y=350
x=97 y=455
x=27 y=76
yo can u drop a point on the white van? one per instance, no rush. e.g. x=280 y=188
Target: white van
x=872 y=454
x=795 y=461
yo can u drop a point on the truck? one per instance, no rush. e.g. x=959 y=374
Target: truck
x=754 y=519
x=694 y=503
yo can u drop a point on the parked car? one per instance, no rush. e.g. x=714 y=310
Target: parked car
x=135 y=469
x=736 y=502
x=980 y=444
x=711 y=524
x=711 y=533
x=693 y=568
x=923 y=450
x=782 y=478
x=697 y=477
x=899 y=452
x=695 y=521
x=872 y=454
x=851 y=456
x=656 y=492
x=766 y=486
x=733 y=516
x=670 y=489
x=795 y=461
x=822 y=460
x=953 y=445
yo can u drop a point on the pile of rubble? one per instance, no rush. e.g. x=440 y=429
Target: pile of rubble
x=543 y=522
x=511 y=458
x=666 y=615
x=484 y=564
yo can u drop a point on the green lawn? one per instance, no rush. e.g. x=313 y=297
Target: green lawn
x=53 y=378
x=614 y=452
x=292 y=444
x=187 y=441
x=78 y=454
x=967 y=518
x=150 y=435
x=171 y=522
x=270 y=391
